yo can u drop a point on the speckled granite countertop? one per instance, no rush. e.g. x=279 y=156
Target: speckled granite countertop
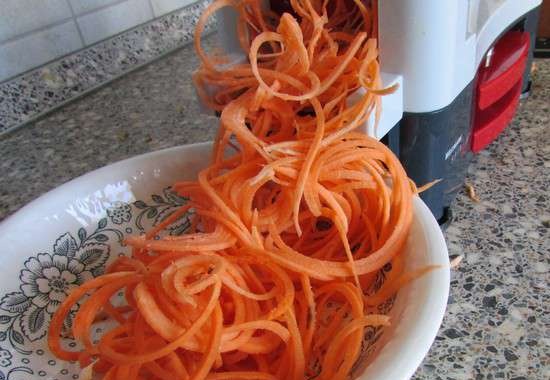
x=497 y=324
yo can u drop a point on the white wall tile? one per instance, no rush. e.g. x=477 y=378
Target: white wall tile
x=83 y=6
x=22 y=16
x=114 y=19
x=161 y=7
x=38 y=48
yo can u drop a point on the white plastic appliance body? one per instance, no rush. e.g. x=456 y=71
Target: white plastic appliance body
x=431 y=48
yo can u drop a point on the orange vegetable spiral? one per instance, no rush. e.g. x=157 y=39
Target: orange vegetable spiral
x=292 y=221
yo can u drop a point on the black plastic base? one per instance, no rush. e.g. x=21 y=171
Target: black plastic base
x=446 y=219
x=436 y=145
x=391 y=140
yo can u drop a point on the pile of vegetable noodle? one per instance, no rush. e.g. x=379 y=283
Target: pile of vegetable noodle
x=292 y=221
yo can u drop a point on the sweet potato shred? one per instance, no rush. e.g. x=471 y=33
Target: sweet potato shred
x=279 y=275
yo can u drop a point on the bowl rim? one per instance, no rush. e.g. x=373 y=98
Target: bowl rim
x=417 y=333
x=415 y=344
x=90 y=176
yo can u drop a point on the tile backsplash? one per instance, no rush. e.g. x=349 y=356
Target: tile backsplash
x=34 y=32
x=105 y=22
x=81 y=7
x=19 y=17
x=33 y=49
x=62 y=49
x=161 y=7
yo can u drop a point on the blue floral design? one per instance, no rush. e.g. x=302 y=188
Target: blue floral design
x=48 y=277
x=46 y=281
x=162 y=206
x=7 y=375
x=5 y=358
x=120 y=213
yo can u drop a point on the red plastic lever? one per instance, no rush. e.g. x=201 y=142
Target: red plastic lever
x=499 y=87
x=491 y=121
x=507 y=67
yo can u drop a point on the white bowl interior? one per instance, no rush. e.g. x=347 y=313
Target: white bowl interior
x=419 y=307
x=82 y=204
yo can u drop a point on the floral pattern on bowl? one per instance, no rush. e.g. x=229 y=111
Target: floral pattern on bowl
x=47 y=278
x=71 y=233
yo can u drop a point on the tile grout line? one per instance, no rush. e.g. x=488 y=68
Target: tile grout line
x=76 y=23
x=16 y=114
x=152 y=9
x=100 y=8
x=73 y=17
x=37 y=30
x=93 y=44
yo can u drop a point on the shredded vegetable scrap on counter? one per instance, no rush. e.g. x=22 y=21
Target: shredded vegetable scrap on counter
x=471 y=191
x=455 y=261
x=279 y=274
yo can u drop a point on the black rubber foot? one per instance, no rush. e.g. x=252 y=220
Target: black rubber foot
x=525 y=94
x=446 y=219
x=542 y=48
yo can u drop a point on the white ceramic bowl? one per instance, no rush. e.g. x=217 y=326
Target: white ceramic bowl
x=67 y=235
